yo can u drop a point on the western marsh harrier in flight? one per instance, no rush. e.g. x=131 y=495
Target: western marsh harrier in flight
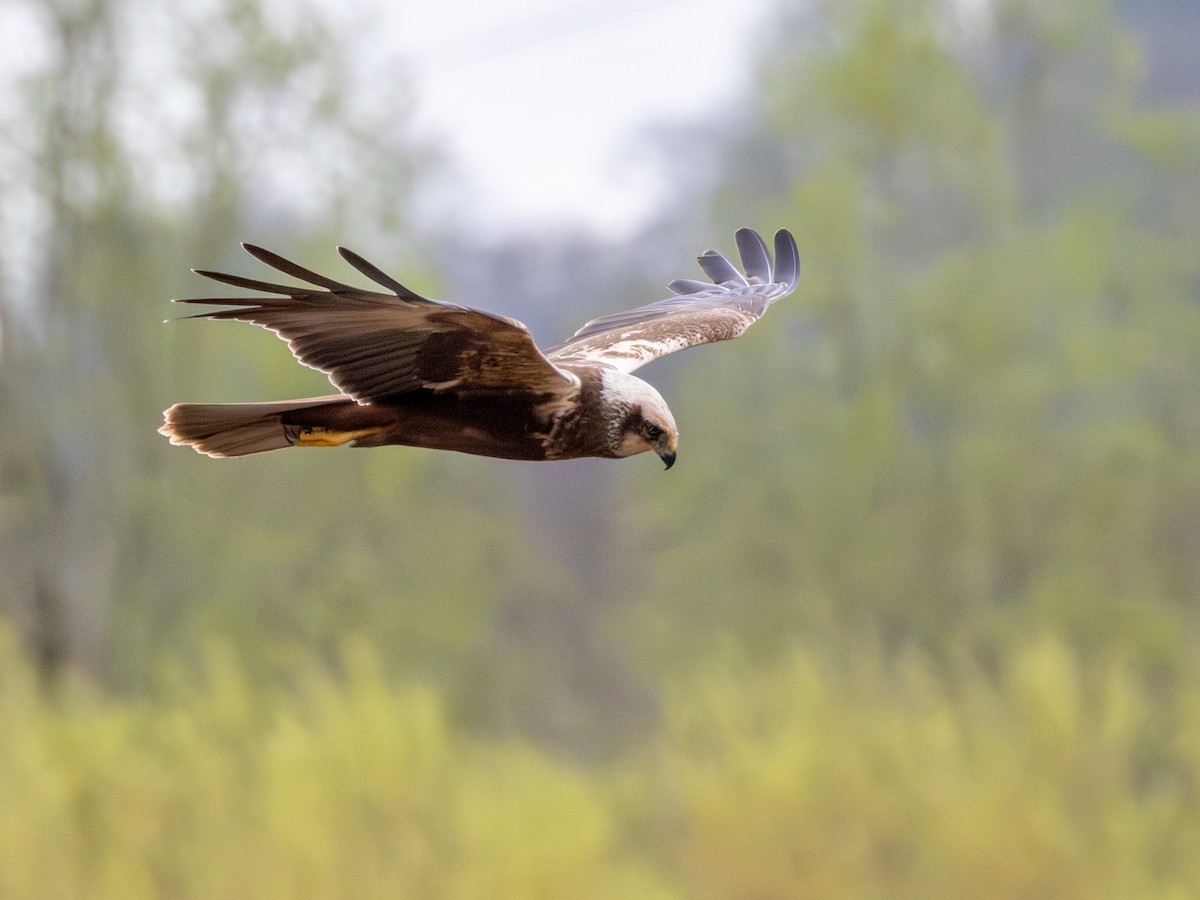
x=423 y=373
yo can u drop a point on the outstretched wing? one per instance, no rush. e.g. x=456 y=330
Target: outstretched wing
x=372 y=344
x=702 y=314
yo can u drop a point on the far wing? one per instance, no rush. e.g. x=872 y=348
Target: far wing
x=372 y=344
x=704 y=312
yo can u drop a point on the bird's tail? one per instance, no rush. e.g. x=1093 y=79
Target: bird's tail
x=240 y=429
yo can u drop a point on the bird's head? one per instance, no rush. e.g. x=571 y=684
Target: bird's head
x=640 y=418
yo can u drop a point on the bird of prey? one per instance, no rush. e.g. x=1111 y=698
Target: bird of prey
x=423 y=373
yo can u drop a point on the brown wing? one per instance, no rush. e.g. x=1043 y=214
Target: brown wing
x=703 y=314
x=372 y=344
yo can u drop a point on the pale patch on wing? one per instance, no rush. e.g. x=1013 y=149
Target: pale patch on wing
x=439 y=386
x=628 y=355
x=645 y=348
x=560 y=403
x=703 y=314
x=557 y=412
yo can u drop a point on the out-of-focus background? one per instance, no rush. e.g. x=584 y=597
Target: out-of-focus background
x=917 y=613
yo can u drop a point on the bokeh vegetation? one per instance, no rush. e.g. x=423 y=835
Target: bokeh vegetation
x=798 y=779
x=915 y=614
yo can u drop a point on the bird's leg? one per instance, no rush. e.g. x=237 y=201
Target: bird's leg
x=320 y=436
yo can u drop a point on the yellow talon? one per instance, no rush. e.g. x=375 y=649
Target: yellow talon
x=316 y=436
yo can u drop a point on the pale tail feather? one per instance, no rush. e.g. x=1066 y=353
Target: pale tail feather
x=235 y=429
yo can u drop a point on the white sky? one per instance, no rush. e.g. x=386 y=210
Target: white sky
x=538 y=103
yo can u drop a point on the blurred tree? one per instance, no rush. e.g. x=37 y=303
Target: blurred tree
x=981 y=414
x=139 y=140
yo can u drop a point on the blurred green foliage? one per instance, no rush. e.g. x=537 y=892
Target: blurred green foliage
x=982 y=415
x=915 y=615
x=794 y=780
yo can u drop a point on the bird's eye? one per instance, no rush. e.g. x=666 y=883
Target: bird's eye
x=653 y=432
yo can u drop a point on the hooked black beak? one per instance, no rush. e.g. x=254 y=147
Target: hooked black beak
x=665 y=448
